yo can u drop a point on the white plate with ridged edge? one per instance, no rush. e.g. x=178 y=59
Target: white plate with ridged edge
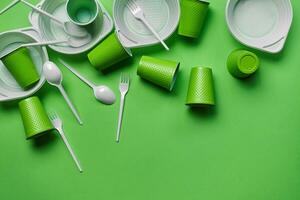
x=163 y=15
x=50 y=30
x=9 y=88
x=260 y=24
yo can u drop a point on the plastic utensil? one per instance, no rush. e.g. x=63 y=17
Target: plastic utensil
x=123 y=87
x=54 y=77
x=263 y=25
x=58 y=125
x=138 y=13
x=70 y=28
x=29 y=45
x=102 y=93
x=35 y=119
x=163 y=15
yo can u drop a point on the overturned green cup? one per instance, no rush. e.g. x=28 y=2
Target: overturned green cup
x=35 y=119
x=108 y=53
x=242 y=63
x=158 y=71
x=201 y=88
x=19 y=63
x=193 y=15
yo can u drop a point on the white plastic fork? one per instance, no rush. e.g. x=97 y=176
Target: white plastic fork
x=58 y=125
x=138 y=13
x=123 y=87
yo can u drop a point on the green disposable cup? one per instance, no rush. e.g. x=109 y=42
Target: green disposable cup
x=193 y=15
x=242 y=63
x=108 y=53
x=35 y=119
x=19 y=63
x=201 y=88
x=159 y=72
x=83 y=12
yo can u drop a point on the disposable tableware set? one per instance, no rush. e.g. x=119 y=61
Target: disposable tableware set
x=75 y=27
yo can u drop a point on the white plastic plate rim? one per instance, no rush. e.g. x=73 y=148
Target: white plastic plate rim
x=108 y=25
x=274 y=41
x=14 y=95
x=129 y=42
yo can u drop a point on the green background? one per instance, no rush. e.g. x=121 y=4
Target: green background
x=247 y=147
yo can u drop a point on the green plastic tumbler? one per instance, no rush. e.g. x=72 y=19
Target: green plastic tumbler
x=19 y=63
x=108 y=53
x=193 y=15
x=242 y=63
x=35 y=119
x=201 y=88
x=83 y=12
x=159 y=72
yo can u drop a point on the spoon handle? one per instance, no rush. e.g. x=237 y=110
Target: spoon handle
x=77 y=74
x=64 y=94
x=44 y=43
x=42 y=12
x=9 y=6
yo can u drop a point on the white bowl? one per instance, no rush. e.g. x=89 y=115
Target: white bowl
x=50 y=30
x=260 y=24
x=9 y=88
x=163 y=15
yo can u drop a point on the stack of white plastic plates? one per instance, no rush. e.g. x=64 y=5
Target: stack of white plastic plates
x=9 y=88
x=260 y=24
x=163 y=15
x=50 y=30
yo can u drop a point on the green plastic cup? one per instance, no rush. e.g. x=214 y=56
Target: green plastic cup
x=36 y=121
x=159 y=72
x=193 y=15
x=201 y=88
x=19 y=63
x=83 y=12
x=242 y=63
x=108 y=53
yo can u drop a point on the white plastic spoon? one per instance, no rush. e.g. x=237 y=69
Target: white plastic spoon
x=102 y=93
x=69 y=27
x=54 y=77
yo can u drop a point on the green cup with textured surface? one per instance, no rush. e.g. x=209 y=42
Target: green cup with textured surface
x=83 y=12
x=108 y=53
x=242 y=63
x=159 y=72
x=193 y=15
x=35 y=119
x=19 y=63
x=201 y=87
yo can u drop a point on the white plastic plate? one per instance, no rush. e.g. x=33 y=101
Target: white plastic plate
x=50 y=30
x=260 y=24
x=163 y=15
x=9 y=88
